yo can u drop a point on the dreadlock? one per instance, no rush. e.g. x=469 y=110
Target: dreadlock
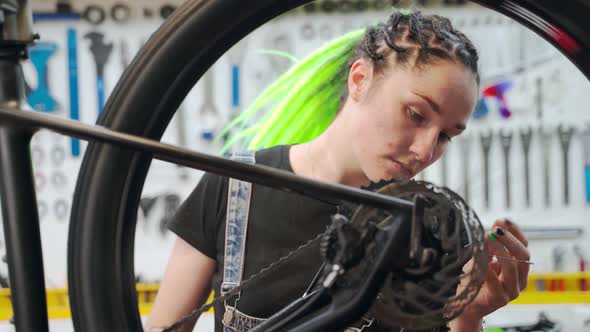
x=303 y=102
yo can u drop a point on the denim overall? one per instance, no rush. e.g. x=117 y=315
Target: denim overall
x=236 y=227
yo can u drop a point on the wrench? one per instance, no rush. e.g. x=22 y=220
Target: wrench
x=486 y=144
x=72 y=36
x=40 y=99
x=124 y=54
x=565 y=137
x=279 y=64
x=545 y=137
x=101 y=53
x=539 y=98
x=585 y=136
x=525 y=140
x=506 y=142
x=236 y=58
x=465 y=146
x=208 y=113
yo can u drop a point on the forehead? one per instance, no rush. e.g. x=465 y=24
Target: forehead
x=449 y=84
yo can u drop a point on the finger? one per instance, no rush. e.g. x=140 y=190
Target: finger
x=509 y=271
x=517 y=250
x=507 y=224
x=496 y=288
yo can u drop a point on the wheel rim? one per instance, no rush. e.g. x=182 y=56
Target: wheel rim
x=101 y=277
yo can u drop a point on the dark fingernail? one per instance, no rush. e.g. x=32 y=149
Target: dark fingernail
x=499 y=231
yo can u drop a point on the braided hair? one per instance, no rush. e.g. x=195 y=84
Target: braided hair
x=303 y=102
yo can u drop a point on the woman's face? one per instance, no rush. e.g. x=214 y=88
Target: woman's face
x=405 y=120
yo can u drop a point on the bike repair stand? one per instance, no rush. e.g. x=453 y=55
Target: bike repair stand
x=17 y=192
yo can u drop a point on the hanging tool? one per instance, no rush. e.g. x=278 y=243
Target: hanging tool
x=307 y=31
x=329 y=6
x=380 y=4
x=465 y=147
x=236 y=58
x=94 y=14
x=208 y=115
x=498 y=91
x=73 y=78
x=525 y=141
x=361 y=5
x=124 y=53
x=280 y=64
x=582 y=267
x=101 y=53
x=565 y=137
x=40 y=99
x=552 y=233
x=545 y=137
x=585 y=136
x=345 y=6
x=310 y=7
x=486 y=144
x=63 y=11
x=120 y=12
x=506 y=143
x=171 y=204
x=167 y=10
x=539 y=97
x=181 y=137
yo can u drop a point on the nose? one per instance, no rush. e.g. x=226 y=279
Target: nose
x=424 y=145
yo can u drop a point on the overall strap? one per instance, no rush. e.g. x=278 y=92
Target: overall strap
x=236 y=226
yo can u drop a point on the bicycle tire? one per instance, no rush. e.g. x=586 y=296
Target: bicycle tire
x=102 y=227
x=103 y=218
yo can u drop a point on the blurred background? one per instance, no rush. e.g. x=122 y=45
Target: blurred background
x=529 y=136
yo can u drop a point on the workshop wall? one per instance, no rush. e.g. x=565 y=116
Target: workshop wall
x=526 y=85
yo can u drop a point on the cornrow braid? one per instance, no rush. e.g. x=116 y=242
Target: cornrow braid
x=303 y=102
x=420 y=39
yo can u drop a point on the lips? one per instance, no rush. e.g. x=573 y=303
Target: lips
x=405 y=168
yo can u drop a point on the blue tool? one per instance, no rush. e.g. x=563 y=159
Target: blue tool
x=101 y=52
x=586 y=144
x=44 y=16
x=73 y=75
x=40 y=99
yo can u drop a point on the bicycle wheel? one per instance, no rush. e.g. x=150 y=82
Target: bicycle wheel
x=100 y=241
x=102 y=229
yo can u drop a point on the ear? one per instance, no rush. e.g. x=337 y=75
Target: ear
x=359 y=78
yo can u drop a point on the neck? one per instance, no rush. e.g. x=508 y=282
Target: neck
x=329 y=157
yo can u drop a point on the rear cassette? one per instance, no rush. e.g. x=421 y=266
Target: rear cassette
x=436 y=283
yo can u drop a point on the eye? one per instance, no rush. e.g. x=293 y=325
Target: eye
x=445 y=137
x=415 y=116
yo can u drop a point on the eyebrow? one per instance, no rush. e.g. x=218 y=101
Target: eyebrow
x=436 y=108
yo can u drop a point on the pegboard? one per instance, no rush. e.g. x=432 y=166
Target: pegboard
x=536 y=83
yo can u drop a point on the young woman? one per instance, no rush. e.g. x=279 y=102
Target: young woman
x=379 y=105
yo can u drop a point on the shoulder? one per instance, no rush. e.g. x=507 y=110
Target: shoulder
x=276 y=156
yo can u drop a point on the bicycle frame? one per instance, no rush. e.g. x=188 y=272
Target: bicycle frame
x=566 y=27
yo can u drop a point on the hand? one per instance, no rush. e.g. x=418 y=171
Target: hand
x=505 y=279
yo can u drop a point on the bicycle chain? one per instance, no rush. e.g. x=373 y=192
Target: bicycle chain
x=263 y=272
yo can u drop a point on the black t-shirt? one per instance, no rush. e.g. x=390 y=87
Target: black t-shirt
x=279 y=222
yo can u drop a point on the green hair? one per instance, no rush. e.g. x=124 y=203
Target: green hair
x=301 y=103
